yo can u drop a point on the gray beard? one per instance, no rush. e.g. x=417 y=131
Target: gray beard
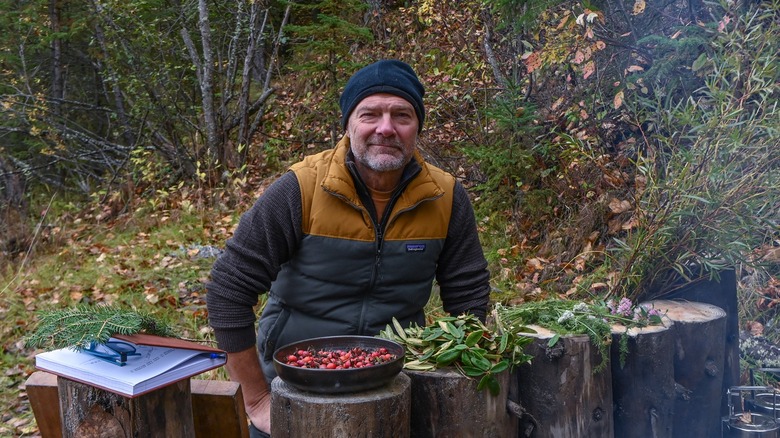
x=383 y=164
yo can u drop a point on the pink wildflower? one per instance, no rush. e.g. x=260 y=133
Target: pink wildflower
x=624 y=308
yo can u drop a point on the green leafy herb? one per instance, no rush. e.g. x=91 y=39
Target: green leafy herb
x=463 y=342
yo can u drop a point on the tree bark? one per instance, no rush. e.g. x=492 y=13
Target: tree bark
x=559 y=391
x=382 y=412
x=90 y=412
x=643 y=388
x=57 y=74
x=700 y=344
x=446 y=404
x=722 y=293
x=207 y=87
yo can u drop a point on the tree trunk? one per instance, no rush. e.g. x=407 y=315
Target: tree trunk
x=700 y=341
x=207 y=90
x=377 y=413
x=559 y=391
x=447 y=404
x=57 y=74
x=12 y=187
x=643 y=386
x=90 y=412
x=721 y=293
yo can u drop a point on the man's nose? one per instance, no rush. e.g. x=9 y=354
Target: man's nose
x=386 y=126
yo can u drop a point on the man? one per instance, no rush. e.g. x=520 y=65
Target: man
x=347 y=239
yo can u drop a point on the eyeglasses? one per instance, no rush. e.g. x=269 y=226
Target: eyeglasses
x=115 y=352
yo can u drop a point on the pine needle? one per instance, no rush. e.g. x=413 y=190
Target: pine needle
x=82 y=325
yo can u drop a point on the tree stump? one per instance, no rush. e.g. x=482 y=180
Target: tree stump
x=643 y=388
x=90 y=412
x=700 y=345
x=375 y=413
x=722 y=293
x=446 y=404
x=559 y=391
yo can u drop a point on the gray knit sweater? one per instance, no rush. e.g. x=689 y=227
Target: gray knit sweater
x=268 y=235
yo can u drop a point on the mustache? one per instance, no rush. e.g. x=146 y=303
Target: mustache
x=381 y=141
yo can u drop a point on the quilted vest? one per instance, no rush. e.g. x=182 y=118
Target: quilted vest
x=348 y=277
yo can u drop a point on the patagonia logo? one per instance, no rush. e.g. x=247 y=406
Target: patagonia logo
x=415 y=247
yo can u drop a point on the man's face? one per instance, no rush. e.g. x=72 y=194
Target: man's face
x=383 y=132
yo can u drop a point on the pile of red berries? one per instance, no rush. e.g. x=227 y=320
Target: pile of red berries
x=339 y=359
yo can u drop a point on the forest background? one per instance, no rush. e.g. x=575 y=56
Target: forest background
x=612 y=148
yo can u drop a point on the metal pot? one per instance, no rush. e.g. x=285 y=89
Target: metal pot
x=760 y=426
x=767 y=403
x=743 y=421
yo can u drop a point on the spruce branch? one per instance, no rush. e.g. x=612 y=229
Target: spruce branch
x=82 y=325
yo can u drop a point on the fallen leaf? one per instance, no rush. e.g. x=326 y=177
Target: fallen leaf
x=617 y=206
x=755 y=328
x=579 y=57
x=588 y=69
x=631 y=224
x=532 y=61
x=639 y=7
x=618 y=101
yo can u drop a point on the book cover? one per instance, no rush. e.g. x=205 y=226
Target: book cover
x=156 y=362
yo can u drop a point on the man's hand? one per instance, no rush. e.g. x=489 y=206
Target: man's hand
x=259 y=412
x=244 y=368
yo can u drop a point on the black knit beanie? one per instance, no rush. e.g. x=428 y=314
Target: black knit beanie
x=386 y=76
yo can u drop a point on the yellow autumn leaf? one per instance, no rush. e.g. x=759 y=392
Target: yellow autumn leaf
x=588 y=69
x=639 y=7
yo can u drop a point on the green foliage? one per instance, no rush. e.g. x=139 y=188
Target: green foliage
x=672 y=58
x=517 y=14
x=597 y=320
x=710 y=170
x=80 y=326
x=463 y=342
x=506 y=156
x=324 y=34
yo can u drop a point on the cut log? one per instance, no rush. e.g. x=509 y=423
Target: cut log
x=559 y=391
x=446 y=404
x=88 y=412
x=722 y=293
x=217 y=407
x=380 y=412
x=643 y=388
x=700 y=345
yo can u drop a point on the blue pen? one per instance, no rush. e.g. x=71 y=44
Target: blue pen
x=217 y=356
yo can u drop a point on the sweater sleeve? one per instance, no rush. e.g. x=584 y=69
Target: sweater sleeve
x=266 y=237
x=462 y=273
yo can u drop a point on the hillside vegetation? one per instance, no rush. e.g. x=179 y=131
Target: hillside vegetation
x=612 y=149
